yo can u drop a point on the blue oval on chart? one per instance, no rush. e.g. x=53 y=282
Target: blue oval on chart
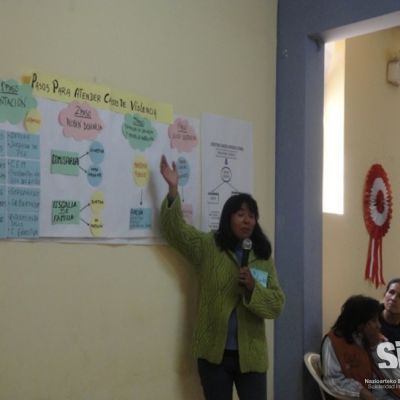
x=96 y=152
x=182 y=166
x=94 y=175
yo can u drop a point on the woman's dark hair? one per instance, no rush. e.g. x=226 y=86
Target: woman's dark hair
x=356 y=311
x=391 y=282
x=224 y=237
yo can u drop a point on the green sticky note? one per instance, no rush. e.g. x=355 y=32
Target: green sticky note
x=15 y=101
x=64 y=163
x=65 y=212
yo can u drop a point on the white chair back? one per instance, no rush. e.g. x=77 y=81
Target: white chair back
x=313 y=364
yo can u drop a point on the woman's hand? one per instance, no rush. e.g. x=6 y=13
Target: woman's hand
x=170 y=175
x=246 y=278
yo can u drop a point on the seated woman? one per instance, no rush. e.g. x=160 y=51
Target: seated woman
x=390 y=315
x=349 y=349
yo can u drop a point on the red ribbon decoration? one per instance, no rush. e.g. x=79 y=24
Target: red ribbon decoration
x=377 y=216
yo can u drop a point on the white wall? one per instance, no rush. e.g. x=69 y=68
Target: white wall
x=115 y=322
x=372 y=120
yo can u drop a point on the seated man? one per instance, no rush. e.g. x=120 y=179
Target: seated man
x=390 y=315
x=348 y=352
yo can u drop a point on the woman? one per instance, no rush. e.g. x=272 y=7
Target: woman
x=390 y=315
x=229 y=339
x=349 y=360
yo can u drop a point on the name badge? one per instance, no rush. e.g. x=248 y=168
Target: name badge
x=260 y=276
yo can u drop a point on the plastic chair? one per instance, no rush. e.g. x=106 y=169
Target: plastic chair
x=313 y=364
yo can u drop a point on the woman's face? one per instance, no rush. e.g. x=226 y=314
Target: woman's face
x=371 y=331
x=391 y=300
x=243 y=222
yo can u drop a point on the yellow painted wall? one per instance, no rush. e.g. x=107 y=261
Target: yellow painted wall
x=82 y=321
x=372 y=135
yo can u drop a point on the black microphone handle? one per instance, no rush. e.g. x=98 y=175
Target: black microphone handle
x=245 y=258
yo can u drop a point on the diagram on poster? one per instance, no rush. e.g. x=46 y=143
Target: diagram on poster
x=227 y=164
x=93 y=161
x=19 y=163
x=184 y=139
x=19 y=185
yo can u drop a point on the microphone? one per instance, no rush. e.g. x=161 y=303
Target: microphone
x=246 y=247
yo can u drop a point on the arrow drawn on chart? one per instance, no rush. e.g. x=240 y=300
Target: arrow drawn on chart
x=183 y=195
x=227 y=184
x=87 y=205
x=85 y=222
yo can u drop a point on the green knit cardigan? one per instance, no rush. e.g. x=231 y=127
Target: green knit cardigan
x=220 y=294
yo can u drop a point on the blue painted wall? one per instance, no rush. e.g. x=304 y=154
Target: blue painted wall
x=298 y=247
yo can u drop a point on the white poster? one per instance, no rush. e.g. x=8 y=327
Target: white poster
x=227 y=164
x=78 y=169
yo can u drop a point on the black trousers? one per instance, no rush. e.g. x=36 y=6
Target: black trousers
x=217 y=379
